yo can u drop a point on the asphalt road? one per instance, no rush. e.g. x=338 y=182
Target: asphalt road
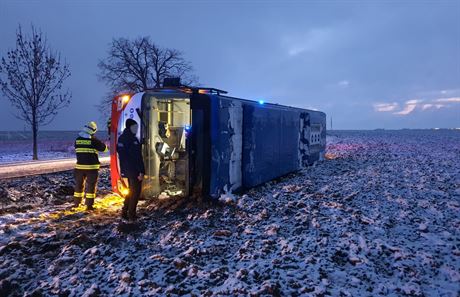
x=40 y=167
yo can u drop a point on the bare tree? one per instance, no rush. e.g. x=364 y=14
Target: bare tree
x=31 y=77
x=127 y=66
x=170 y=63
x=139 y=64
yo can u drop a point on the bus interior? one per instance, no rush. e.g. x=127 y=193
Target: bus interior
x=166 y=125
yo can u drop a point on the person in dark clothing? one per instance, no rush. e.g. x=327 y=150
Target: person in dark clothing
x=87 y=147
x=131 y=166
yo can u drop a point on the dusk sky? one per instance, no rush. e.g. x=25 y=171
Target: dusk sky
x=368 y=64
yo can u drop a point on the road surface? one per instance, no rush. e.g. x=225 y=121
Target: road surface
x=40 y=167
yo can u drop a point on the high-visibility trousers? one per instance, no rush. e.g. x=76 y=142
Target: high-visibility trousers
x=85 y=185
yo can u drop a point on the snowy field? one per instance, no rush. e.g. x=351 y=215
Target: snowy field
x=381 y=216
x=16 y=146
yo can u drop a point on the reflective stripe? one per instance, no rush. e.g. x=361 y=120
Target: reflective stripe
x=91 y=128
x=77 y=194
x=81 y=141
x=86 y=150
x=89 y=195
x=87 y=167
x=106 y=149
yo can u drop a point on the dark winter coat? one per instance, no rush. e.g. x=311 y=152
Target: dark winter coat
x=130 y=155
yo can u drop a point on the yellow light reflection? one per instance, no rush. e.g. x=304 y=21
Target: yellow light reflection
x=330 y=156
x=124 y=191
x=109 y=203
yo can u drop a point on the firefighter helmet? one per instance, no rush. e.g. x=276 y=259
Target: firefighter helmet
x=90 y=128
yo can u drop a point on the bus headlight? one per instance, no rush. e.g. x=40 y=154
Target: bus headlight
x=124 y=191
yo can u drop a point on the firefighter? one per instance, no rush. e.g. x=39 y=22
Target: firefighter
x=132 y=167
x=87 y=148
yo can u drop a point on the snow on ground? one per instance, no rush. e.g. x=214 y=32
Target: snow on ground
x=16 y=146
x=380 y=216
x=43 y=191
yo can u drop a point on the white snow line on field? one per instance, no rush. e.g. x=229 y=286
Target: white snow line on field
x=41 y=167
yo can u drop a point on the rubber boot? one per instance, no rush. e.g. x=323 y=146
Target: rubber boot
x=124 y=214
x=124 y=209
x=89 y=203
x=132 y=218
x=76 y=201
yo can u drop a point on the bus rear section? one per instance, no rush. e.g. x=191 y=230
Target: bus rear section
x=166 y=131
x=164 y=118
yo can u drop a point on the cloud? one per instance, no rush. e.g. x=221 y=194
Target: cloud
x=426 y=106
x=410 y=107
x=429 y=105
x=448 y=100
x=383 y=107
x=414 y=101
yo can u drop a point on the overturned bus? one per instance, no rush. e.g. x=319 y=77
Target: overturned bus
x=199 y=141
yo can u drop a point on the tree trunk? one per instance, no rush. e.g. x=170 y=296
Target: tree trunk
x=158 y=82
x=34 y=135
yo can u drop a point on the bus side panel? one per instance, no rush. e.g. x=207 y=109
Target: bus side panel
x=289 y=141
x=252 y=143
x=262 y=137
x=219 y=146
x=226 y=145
x=271 y=143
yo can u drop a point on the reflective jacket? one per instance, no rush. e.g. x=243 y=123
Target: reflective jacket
x=87 y=149
x=130 y=154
